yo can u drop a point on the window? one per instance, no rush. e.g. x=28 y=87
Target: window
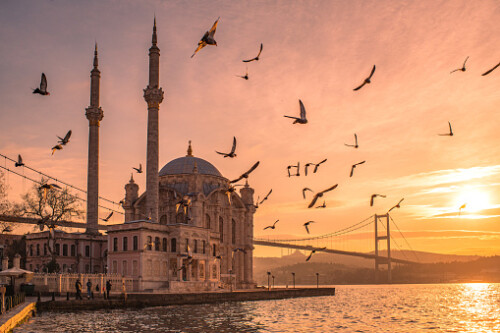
x=163 y=219
x=157 y=243
x=124 y=267
x=187 y=245
x=203 y=244
x=173 y=245
x=115 y=267
x=73 y=250
x=58 y=249
x=125 y=243
x=31 y=250
x=44 y=249
x=207 y=221
x=135 y=243
x=135 y=268
x=65 y=250
x=233 y=232
x=115 y=244
x=214 y=250
x=38 y=249
x=195 y=246
x=87 y=251
x=221 y=229
x=87 y=269
x=149 y=243
x=164 y=245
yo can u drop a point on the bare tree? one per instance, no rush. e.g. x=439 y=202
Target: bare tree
x=5 y=206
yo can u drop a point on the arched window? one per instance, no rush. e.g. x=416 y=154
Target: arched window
x=207 y=221
x=31 y=250
x=164 y=243
x=65 y=250
x=44 y=249
x=214 y=250
x=115 y=244
x=135 y=243
x=233 y=231
x=173 y=245
x=221 y=229
x=180 y=217
x=204 y=246
x=149 y=243
x=125 y=243
x=73 y=250
x=58 y=249
x=37 y=249
x=195 y=246
x=157 y=243
x=163 y=219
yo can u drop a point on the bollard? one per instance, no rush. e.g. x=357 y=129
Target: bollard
x=67 y=296
x=53 y=296
x=39 y=297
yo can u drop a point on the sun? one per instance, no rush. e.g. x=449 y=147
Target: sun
x=473 y=199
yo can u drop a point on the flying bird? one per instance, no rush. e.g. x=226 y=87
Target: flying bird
x=208 y=38
x=374 y=196
x=448 y=134
x=316 y=166
x=265 y=198
x=314 y=251
x=460 y=69
x=304 y=191
x=323 y=205
x=307 y=224
x=355 y=145
x=302 y=119
x=231 y=154
x=108 y=217
x=272 y=226
x=258 y=55
x=490 y=70
x=294 y=166
x=56 y=147
x=367 y=80
x=244 y=76
x=320 y=194
x=245 y=175
x=19 y=161
x=354 y=167
x=460 y=209
x=239 y=249
x=6 y=229
x=398 y=205
x=46 y=187
x=139 y=170
x=65 y=140
x=230 y=190
x=42 y=90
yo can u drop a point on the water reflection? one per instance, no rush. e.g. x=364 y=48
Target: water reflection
x=397 y=308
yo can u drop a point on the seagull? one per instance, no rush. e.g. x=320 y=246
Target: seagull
x=139 y=170
x=460 y=209
x=323 y=205
x=42 y=90
x=355 y=145
x=272 y=226
x=56 y=147
x=239 y=249
x=306 y=225
x=460 y=69
x=354 y=166
x=448 y=134
x=490 y=70
x=46 y=187
x=265 y=198
x=108 y=217
x=19 y=161
x=208 y=38
x=230 y=190
x=314 y=251
x=304 y=191
x=316 y=166
x=6 y=229
x=367 y=80
x=245 y=175
x=398 y=205
x=244 y=76
x=258 y=55
x=184 y=202
x=121 y=203
x=302 y=119
x=294 y=166
x=65 y=140
x=320 y=194
x=374 y=196
x=152 y=244
x=41 y=223
x=231 y=154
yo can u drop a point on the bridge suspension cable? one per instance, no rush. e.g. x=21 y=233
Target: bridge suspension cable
x=413 y=251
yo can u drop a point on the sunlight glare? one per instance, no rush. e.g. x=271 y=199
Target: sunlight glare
x=474 y=200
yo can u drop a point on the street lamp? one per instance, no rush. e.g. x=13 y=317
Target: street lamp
x=268 y=281
x=317 y=280
x=293 y=277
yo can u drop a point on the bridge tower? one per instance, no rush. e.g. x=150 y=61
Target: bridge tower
x=387 y=236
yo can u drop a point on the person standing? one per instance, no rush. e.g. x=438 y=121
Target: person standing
x=108 y=288
x=78 y=287
x=89 y=289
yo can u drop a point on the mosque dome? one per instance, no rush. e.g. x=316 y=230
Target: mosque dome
x=187 y=164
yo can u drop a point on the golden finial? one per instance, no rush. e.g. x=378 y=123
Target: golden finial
x=190 y=150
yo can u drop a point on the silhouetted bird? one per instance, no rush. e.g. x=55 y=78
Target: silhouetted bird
x=19 y=161
x=460 y=209
x=208 y=38
x=307 y=224
x=302 y=119
x=121 y=203
x=139 y=170
x=229 y=191
x=107 y=217
x=367 y=80
x=56 y=147
x=258 y=55
x=355 y=145
x=272 y=226
x=320 y=194
x=239 y=249
x=231 y=154
x=463 y=69
x=46 y=187
x=65 y=140
x=374 y=196
x=490 y=70
x=314 y=251
x=448 y=134
x=316 y=166
x=42 y=90
x=297 y=173
x=304 y=191
x=245 y=175
x=323 y=205
x=265 y=198
x=398 y=205
x=244 y=76
x=354 y=167
x=6 y=229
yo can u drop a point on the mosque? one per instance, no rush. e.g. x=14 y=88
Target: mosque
x=189 y=231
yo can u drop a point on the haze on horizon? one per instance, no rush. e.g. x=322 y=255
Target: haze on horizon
x=313 y=51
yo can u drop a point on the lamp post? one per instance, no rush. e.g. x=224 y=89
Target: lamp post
x=273 y=281
x=293 y=278
x=268 y=281
x=317 y=280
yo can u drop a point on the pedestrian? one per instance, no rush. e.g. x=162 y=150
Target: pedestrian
x=108 y=288
x=89 y=289
x=78 y=287
x=97 y=287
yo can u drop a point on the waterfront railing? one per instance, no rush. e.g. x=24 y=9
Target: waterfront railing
x=63 y=283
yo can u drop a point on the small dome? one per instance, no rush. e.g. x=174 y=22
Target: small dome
x=186 y=165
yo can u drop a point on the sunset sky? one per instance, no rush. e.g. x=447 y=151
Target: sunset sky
x=316 y=51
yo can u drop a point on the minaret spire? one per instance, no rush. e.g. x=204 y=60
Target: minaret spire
x=153 y=95
x=96 y=63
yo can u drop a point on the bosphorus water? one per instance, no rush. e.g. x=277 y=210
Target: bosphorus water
x=471 y=307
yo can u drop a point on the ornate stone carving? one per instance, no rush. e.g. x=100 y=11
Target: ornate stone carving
x=153 y=96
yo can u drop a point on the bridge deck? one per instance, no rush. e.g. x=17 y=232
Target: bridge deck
x=30 y=220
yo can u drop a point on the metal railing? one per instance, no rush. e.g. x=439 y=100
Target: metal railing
x=11 y=301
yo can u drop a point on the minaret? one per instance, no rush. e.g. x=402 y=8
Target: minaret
x=153 y=95
x=94 y=115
